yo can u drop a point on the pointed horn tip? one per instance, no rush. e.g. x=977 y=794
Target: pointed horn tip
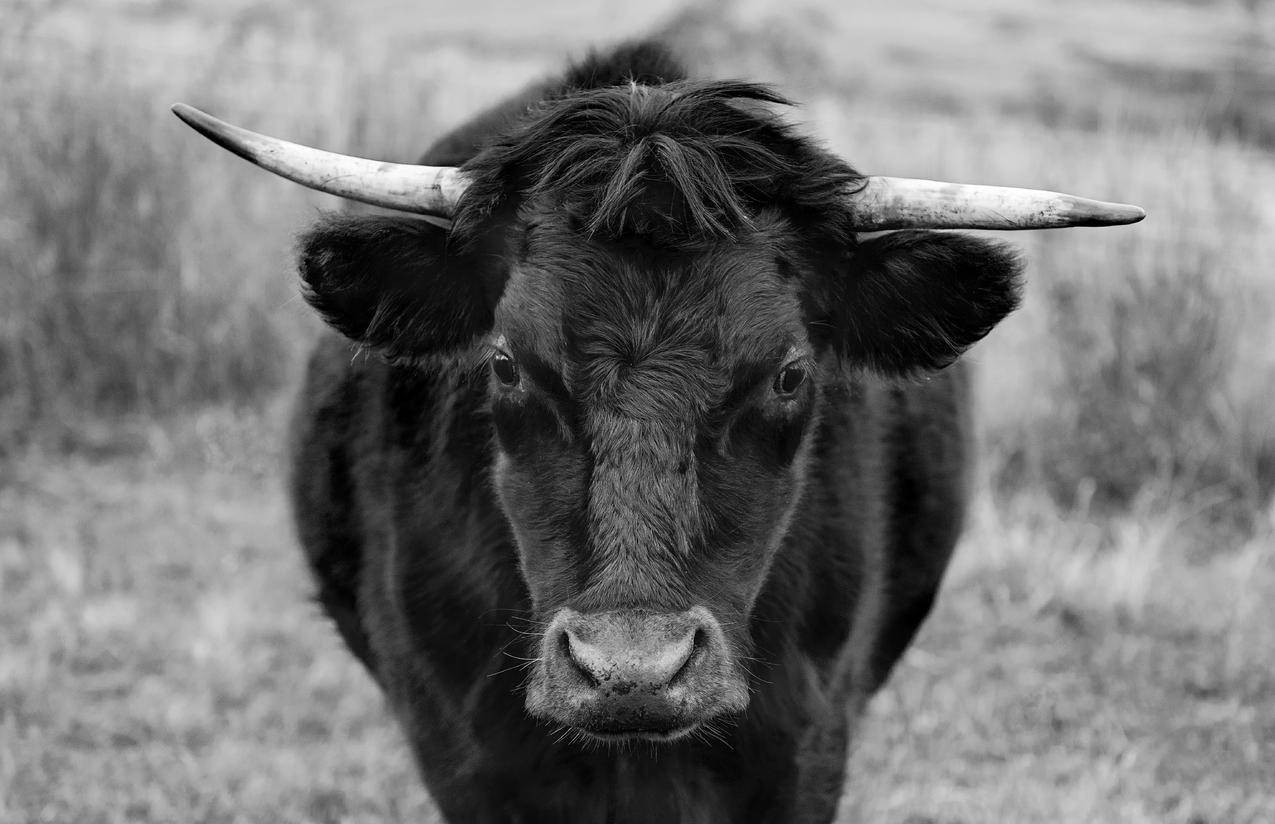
x=187 y=114
x=1100 y=213
x=233 y=139
x=1120 y=214
x=1133 y=214
x=197 y=119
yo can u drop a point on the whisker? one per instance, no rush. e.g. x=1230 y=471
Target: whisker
x=520 y=658
x=523 y=665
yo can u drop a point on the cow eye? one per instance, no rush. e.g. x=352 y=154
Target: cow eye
x=504 y=368
x=789 y=379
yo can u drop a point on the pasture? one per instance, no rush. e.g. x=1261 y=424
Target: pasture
x=1104 y=649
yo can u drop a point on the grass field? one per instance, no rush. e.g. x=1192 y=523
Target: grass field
x=161 y=662
x=1104 y=650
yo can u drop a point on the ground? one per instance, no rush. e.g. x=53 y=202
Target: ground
x=1104 y=647
x=162 y=661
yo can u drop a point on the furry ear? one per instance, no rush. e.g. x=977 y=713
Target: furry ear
x=916 y=300
x=389 y=283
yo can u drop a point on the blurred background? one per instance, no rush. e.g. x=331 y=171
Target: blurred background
x=1104 y=650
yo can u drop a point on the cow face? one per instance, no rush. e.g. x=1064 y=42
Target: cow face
x=654 y=411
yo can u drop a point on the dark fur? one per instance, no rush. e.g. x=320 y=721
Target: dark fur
x=652 y=250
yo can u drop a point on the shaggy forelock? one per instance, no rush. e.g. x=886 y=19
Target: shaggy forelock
x=683 y=162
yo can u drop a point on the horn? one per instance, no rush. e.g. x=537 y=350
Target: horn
x=427 y=190
x=881 y=203
x=908 y=203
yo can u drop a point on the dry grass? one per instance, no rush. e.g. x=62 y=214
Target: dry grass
x=161 y=662
x=1072 y=677
x=1103 y=649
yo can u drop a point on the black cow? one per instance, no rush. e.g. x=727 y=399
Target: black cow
x=630 y=486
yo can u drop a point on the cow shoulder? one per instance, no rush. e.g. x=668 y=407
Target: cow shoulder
x=322 y=483
x=930 y=457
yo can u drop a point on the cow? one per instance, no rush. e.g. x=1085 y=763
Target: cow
x=631 y=468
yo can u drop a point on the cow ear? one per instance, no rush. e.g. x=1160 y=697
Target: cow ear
x=389 y=283
x=914 y=301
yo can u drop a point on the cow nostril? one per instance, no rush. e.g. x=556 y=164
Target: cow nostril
x=698 y=648
x=567 y=652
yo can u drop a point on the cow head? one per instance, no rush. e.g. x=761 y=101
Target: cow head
x=664 y=283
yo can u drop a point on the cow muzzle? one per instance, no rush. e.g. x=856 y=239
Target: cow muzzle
x=635 y=674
